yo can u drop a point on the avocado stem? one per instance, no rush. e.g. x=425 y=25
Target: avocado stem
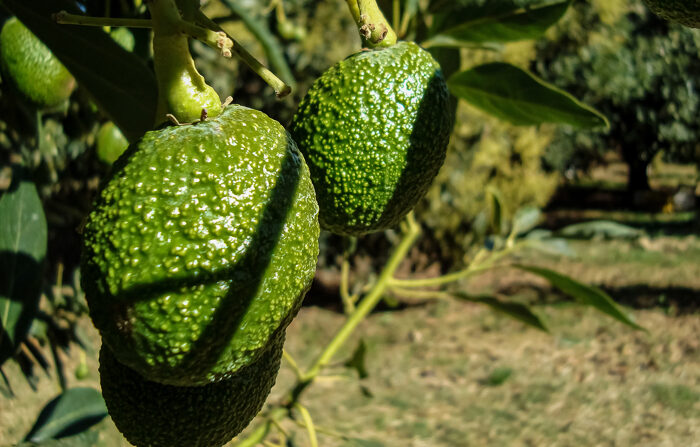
x=182 y=91
x=374 y=28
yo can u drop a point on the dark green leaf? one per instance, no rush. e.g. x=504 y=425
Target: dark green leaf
x=553 y=246
x=72 y=412
x=518 y=311
x=498 y=376
x=357 y=361
x=511 y=26
x=525 y=219
x=585 y=294
x=119 y=82
x=515 y=95
x=22 y=251
x=600 y=228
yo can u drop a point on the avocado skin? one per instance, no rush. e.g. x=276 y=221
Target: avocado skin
x=685 y=12
x=151 y=414
x=374 y=129
x=202 y=244
x=31 y=68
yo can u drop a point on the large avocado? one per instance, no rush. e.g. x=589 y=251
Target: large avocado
x=201 y=246
x=374 y=129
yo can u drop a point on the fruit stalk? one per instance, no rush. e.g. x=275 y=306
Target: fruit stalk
x=371 y=300
x=182 y=91
x=374 y=28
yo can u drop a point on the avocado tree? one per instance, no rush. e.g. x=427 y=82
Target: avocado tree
x=638 y=71
x=202 y=238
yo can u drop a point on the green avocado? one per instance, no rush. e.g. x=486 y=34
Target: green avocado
x=31 y=68
x=111 y=143
x=201 y=246
x=151 y=414
x=685 y=12
x=374 y=129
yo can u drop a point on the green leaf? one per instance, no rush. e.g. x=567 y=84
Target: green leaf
x=515 y=95
x=72 y=412
x=119 y=82
x=357 y=361
x=553 y=246
x=496 y=208
x=22 y=252
x=583 y=293
x=85 y=439
x=525 y=219
x=511 y=26
x=600 y=228
x=518 y=311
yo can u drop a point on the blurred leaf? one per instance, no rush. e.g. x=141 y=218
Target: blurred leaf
x=85 y=439
x=496 y=208
x=515 y=95
x=585 y=294
x=553 y=246
x=72 y=412
x=119 y=82
x=498 y=376
x=525 y=219
x=518 y=311
x=511 y=26
x=22 y=251
x=357 y=361
x=600 y=228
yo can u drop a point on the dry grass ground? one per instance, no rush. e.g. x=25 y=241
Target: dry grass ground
x=453 y=374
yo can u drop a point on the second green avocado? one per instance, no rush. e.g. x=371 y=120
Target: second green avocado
x=32 y=69
x=374 y=129
x=201 y=246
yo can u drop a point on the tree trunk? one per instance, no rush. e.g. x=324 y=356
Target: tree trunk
x=637 y=178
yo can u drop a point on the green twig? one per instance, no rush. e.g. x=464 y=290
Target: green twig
x=293 y=364
x=370 y=301
x=309 y=423
x=478 y=265
x=279 y=86
x=348 y=301
x=65 y=18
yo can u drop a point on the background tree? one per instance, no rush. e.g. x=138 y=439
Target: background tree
x=637 y=69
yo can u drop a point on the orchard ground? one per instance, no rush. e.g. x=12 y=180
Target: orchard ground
x=456 y=374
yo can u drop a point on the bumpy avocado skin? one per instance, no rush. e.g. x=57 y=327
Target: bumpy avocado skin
x=31 y=67
x=200 y=246
x=685 y=12
x=150 y=414
x=374 y=129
